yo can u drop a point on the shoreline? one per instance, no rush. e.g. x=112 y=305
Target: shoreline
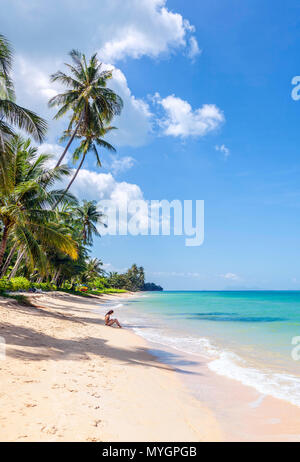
x=243 y=412
x=68 y=377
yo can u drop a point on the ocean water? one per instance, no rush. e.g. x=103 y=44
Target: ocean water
x=245 y=335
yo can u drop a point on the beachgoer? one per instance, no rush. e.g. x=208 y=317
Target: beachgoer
x=110 y=322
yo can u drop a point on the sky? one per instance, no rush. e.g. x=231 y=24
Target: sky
x=208 y=115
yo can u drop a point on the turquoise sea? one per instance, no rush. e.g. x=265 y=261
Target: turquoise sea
x=245 y=335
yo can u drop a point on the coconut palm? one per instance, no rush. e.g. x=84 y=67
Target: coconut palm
x=11 y=114
x=91 y=140
x=87 y=97
x=88 y=216
x=25 y=199
x=93 y=270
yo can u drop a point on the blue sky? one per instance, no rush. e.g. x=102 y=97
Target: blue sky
x=238 y=57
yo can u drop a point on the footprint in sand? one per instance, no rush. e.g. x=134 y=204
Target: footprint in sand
x=50 y=430
x=96 y=423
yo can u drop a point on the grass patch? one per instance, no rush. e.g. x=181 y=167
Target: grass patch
x=75 y=292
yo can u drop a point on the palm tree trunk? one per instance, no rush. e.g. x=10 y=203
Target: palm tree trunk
x=71 y=182
x=3 y=243
x=56 y=276
x=69 y=142
x=17 y=264
x=8 y=260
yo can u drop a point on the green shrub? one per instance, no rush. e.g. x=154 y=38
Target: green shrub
x=5 y=285
x=45 y=286
x=98 y=283
x=20 y=283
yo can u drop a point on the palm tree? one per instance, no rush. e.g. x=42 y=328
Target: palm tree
x=89 y=143
x=89 y=217
x=93 y=270
x=87 y=97
x=12 y=115
x=24 y=204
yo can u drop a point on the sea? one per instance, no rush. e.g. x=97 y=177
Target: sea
x=250 y=336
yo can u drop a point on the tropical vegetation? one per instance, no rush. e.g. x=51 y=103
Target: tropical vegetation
x=46 y=233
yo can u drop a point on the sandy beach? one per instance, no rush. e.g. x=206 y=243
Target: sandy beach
x=68 y=377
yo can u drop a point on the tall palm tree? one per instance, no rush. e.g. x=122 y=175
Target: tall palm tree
x=91 y=140
x=89 y=217
x=25 y=199
x=11 y=114
x=86 y=96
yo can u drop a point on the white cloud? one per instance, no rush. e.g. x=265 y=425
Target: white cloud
x=56 y=151
x=149 y=29
x=117 y=28
x=194 y=49
x=121 y=164
x=182 y=121
x=101 y=187
x=135 y=123
x=224 y=150
x=230 y=276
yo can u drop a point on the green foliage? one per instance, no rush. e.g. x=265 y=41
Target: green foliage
x=44 y=246
x=5 y=285
x=13 y=115
x=133 y=279
x=20 y=283
x=76 y=292
x=98 y=283
x=44 y=286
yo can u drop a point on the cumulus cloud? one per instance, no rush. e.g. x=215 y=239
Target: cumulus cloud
x=182 y=121
x=149 y=29
x=122 y=195
x=117 y=28
x=224 y=150
x=135 y=123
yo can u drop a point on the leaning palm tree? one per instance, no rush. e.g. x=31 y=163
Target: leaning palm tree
x=11 y=114
x=89 y=217
x=25 y=200
x=91 y=140
x=86 y=97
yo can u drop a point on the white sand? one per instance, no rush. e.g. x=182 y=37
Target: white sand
x=67 y=377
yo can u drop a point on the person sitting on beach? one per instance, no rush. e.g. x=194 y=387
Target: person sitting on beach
x=111 y=322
